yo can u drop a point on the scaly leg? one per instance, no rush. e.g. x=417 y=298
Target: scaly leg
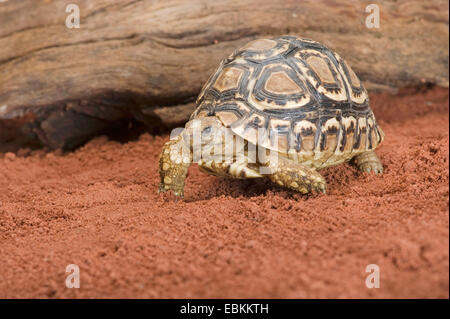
x=296 y=176
x=173 y=166
x=369 y=162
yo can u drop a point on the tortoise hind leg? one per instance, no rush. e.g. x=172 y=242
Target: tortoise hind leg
x=296 y=176
x=368 y=162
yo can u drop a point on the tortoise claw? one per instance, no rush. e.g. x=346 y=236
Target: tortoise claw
x=179 y=193
x=320 y=188
x=375 y=168
x=161 y=189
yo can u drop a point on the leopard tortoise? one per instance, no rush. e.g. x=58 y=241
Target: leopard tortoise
x=289 y=96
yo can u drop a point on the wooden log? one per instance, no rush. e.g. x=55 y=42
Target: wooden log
x=137 y=59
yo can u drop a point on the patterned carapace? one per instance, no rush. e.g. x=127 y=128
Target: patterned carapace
x=298 y=90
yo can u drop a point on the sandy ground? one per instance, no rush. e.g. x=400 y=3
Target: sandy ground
x=97 y=207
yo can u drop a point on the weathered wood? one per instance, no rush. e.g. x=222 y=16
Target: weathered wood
x=135 y=59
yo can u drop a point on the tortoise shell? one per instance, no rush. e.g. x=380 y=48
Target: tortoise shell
x=297 y=90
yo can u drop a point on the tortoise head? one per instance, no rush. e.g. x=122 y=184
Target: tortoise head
x=205 y=131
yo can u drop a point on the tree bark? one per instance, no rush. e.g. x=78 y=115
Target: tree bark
x=136 y=59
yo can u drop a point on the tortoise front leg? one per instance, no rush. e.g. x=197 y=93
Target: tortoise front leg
x=368 y=162
x=296 y=176
x=173 y=167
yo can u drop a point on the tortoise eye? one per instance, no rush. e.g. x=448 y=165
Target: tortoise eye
x=207 y=130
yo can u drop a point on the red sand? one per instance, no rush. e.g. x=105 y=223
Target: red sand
x=97 y=207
